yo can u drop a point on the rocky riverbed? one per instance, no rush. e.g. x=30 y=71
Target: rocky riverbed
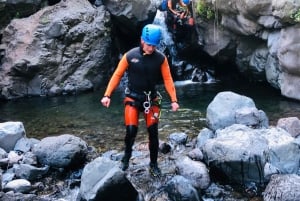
x=237 y=157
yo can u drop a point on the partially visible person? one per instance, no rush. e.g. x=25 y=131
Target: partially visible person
x=145 y=66
x=179 y=14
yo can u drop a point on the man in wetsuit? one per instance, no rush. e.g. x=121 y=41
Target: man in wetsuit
x=145 y=66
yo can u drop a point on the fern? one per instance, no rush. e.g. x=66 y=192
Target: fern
x=296 y=16
x=204 y=11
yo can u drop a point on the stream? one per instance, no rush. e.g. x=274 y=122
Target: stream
x=83 y=115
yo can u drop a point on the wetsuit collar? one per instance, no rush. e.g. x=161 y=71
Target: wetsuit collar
x=143 y=53
x=141 y=50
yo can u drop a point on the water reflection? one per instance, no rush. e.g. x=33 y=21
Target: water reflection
x=84 y=116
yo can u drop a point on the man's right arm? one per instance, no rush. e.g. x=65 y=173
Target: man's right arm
x=114 y=81
x=170 y=7
x=116 y=77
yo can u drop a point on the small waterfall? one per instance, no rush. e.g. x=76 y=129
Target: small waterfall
x=167 y=43
x=185 y=72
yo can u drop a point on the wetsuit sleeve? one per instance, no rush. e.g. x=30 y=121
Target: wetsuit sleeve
x=168 y=80
x=117 y=76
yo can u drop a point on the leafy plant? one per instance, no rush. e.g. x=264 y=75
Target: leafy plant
x=204 y=10
x=296 y=16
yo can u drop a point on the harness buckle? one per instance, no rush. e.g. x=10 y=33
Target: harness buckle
x=147 y=103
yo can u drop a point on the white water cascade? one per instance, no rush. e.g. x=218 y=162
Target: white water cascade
x=167 y=44
x=167 y=41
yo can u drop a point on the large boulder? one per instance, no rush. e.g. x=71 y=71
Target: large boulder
x=58 y=50
x=244 y=154
x=228 y=108
x=102 y=179
x=64 y=151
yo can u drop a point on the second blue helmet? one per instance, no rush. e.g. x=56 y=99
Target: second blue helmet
x=186 y=2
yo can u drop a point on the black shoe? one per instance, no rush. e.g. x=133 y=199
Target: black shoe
x=154 y=170
x=125 y=163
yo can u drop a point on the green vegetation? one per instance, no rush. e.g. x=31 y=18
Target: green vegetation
x=296 y=16
x=204 y=10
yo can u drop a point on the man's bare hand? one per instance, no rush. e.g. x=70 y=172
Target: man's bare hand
x=175 y=106
x=105 y=101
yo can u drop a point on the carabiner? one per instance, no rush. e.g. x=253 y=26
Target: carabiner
x=147 y=103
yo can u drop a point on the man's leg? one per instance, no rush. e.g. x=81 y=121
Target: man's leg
x=153 y=148
x=153 y=143
x=152 y=120
x=131 y=114
x=131 y=132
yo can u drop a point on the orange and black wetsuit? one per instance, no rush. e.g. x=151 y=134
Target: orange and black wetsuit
x=144 y=73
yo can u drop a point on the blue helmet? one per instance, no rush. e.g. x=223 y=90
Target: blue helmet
x=151 y=34
x=186 y=2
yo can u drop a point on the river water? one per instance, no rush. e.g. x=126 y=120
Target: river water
x=103 y=128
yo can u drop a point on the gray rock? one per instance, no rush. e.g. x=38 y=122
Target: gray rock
x=25 y=144
x=18 y=185
x=244 y=154
x=283 y=187
x=30 y=172
x=178 y=138
x=9 y=196
x=102 y=179
x=65 y=45
x=290 y=124
x=195 y=171
x=269 y=22
x=10 y=133
x=29 y=158
x=14 y=157
x=8 y=176
x=229 y=108
x=180 y=188
x=196 y=154
x=203 y=136
x=3 y=153
x=289 y=60
x=61 y=151
x=252 y=117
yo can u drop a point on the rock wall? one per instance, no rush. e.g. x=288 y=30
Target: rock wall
x=60 y=49
x=262 y=38
x=66 y=48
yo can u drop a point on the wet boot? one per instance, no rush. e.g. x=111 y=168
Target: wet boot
x=153 y=148
x=125 y=162
x=154 y=170
x=131 y=132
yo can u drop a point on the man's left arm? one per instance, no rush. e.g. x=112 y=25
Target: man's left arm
x=169 y=84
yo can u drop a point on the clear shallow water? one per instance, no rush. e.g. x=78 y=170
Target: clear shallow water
x=84 y=116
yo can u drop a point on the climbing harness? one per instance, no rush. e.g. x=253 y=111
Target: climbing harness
x=147 y=103
x=144 y=101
